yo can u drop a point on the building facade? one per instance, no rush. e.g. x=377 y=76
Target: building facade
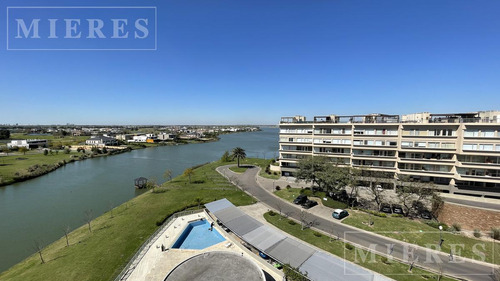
x=29 y=143
x=459 y=153
x=101 y=141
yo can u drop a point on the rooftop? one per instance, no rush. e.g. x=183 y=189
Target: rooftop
x=379 y=118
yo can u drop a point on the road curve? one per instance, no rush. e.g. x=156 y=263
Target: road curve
x=459 y=268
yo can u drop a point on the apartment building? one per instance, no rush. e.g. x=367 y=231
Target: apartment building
x=459 y=152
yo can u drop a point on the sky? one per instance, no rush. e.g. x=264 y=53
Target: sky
x=252 y=62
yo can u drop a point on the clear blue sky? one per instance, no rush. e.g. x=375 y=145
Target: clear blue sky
x=251 y=62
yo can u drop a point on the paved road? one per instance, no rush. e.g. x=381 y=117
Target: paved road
x=457 y=267
x=473 y=203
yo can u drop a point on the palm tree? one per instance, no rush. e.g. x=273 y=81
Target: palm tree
x=239 y=153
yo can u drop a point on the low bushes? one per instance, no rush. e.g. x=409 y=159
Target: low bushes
x=495 y=233
x=436 y=225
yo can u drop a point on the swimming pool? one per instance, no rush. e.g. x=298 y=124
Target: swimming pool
x=197 y=236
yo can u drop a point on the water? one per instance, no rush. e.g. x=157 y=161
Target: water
x=42 y=207
x=197 y=236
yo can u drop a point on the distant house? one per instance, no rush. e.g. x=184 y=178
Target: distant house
x=165 y=136
x=141 y=138
x=101 y=141
x=32 y=143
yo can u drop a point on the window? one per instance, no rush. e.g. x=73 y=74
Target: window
x=485 y=147
x=471 y=133
x=489 y=134
x=468 y=146
x=420 y=144
x=406 y=144
x=447 y=145
x=433 y=145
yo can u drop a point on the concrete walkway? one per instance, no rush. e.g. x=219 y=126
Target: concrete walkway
x=155 y=265
x=321 y=219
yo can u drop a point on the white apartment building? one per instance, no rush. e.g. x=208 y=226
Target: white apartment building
x=459 y=153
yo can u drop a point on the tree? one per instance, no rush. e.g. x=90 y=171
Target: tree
x=167 y=175
x=45 y=152
x=239 y=153
x=88 y=218
x=309 y=168
x=378 y=193
x=303 y=219
x=67 y=230
x=38 y=247
x=67 y=150
x=198 y=201
x=23 y=150
x=4 y=134
x=279 y=207
x=188 y=173
x=6 y=150
x=225 y=157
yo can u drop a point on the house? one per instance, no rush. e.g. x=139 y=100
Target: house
x=30 y=143
x=165 y=136
x=141 y=138
x=101 y=141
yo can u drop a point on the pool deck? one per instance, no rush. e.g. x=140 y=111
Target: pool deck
x=155 y=265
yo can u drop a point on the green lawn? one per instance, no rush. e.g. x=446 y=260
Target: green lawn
x=291 y=193
x=416 y=232
x=56 y=140
x=393 y=269
x=237 y=169
x=102 y=254
x=262 y=163
x=17 y=162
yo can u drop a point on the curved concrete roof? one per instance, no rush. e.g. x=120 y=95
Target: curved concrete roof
x=220 y=266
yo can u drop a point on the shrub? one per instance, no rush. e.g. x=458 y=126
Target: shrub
x=349 y=246
x=291 y=222
x=436 y=224
x=272 y=213
x=317 y=234
x=384 y=260
x=199 y=181
x=288 y=187
x=277 y=187
x=456 y=227
x=477 y=233
x=378 y=214
x=302 y=191
x=275 y=173
x=495 y=233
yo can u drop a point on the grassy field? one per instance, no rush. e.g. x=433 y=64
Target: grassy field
x=291 y=193
x=237 y=169
x=393 y=269
x=262 y=163
x=18 y=163
x=416 y=232
x=116 y=236
x=55 y=140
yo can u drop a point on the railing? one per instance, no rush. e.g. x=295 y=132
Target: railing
x=131 y=265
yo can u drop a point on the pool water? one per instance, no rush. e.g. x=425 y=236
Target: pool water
x=197 y=236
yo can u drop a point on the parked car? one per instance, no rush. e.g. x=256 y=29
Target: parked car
x=301 y=199
x=309 y=204
x=339 y=214
x=426 y=215
x=340 y=195
x=386 y=208
x=262 y=255
x=396 y=209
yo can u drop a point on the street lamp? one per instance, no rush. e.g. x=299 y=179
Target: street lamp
x=440 y=236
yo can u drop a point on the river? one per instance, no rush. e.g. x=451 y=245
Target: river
x=40 y=208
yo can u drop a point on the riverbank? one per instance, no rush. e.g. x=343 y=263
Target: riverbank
x=19 y=167
x=118 y=233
